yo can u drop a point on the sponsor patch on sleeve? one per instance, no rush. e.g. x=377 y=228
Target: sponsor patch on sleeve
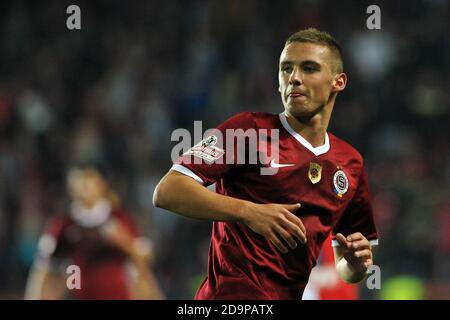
x=207 y=150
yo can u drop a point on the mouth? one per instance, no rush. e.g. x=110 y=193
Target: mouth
x=296 y=95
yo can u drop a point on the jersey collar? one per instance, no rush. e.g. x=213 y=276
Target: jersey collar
x=316 y=150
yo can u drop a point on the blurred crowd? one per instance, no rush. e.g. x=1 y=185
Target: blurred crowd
x=113 y=92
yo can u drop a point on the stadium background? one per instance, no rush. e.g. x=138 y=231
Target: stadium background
x=113 y=92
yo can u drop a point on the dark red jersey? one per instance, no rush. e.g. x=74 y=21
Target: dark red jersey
x=329 y=181
x=75 y=240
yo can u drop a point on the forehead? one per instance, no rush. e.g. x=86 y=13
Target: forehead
x=301 y=51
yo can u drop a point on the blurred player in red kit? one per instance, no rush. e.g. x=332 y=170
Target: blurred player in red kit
x=99 y=237
x=268 y=229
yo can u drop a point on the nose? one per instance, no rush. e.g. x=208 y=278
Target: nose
x=295 y=77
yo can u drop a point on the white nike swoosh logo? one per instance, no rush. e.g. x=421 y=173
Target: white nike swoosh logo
x=273 y=164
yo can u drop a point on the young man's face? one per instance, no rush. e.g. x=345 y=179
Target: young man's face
x=306 y=77
x=94 y=188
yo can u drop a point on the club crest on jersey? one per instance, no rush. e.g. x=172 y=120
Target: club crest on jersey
x=206 y=150
x=314 y=172
x=340 y=182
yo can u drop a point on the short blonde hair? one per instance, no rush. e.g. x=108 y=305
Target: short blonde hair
x=312 y=35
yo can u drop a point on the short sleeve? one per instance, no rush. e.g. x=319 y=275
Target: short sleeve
x=358 y=217
x=212 y=158
x=49 y=244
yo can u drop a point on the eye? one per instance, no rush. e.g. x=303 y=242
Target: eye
x=310 y=68
x=286 y=68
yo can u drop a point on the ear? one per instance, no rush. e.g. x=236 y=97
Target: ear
x=279 y=89
x=339 y=82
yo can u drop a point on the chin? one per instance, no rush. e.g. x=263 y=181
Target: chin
x=302 y=112
x=299 y=111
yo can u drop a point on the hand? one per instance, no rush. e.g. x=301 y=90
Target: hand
x=115 y=234
x=356 y=250
x=276 y=222
x=138 y=249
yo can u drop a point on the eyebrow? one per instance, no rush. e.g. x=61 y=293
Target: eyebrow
x=303 y=63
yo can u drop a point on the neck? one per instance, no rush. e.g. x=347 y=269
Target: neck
x=90 y=203
x=312 y=129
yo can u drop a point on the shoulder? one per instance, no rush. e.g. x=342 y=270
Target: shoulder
x=57 y=223
x=123 y=215
x=343 y=149
x=246 y=120
x=265 y=119
x=53 y=234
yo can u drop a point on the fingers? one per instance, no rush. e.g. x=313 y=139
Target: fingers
x=360 y=244
x=286 y=236
x=277 y=243
x=366 y=253
x=296 y=220
x=292 y=222
x=355 y=241
x=368 y=263
x=287 y=227
x=355 y=236
x=298 y=232
x=292 y=207
x=342 y=240
x=292 y=217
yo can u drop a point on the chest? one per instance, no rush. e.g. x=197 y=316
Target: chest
x=297 y=175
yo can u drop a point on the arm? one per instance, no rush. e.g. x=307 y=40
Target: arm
x=352 y=257
x=42 y=284
x=182 y=194
x=144 y=285
x=45 y=280
x=354 y=254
